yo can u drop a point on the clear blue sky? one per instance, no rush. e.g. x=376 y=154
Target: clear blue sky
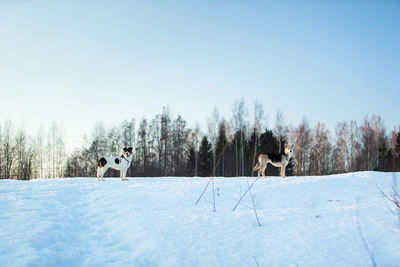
x=78 y=62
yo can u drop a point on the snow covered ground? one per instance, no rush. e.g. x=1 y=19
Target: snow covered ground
x=305 y=221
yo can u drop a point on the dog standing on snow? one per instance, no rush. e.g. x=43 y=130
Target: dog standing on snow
x=121 y=164
x=278 y=160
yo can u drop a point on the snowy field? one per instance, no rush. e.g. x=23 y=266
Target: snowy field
x=305 y=221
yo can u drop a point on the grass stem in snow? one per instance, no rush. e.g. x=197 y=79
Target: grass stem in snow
x=244 y=194
x=254 y=205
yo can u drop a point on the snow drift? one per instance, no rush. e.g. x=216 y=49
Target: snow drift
x=339 y=220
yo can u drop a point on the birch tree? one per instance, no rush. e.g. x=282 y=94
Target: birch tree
x=302 y=140
x=280 y=130
x=354 y=145
x=8 y=149
x=141 y=148
x=320 y=149
x=240 y=113
x=212 y=125
x=259 y=123
x=179 y=145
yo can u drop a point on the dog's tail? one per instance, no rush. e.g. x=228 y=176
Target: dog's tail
x=257 y=166
x=102 y=162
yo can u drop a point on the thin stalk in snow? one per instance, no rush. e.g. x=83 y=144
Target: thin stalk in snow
x=211 y=178
x=203 y=191
x=244 y=194
x=254 y=205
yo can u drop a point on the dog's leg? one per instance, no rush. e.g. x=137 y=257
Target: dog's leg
x=256 y=168
x=263 y=170
x=100 y=172
x=123 y=174
x=103 y=171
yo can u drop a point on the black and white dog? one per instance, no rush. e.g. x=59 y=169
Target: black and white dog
x=121 y=164
x=278 y=160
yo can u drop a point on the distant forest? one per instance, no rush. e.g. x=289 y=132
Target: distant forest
x=166 y=146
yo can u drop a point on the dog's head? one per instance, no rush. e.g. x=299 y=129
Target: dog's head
x=127 y=152
x=288 y=149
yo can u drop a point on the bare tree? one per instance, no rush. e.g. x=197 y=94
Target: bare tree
x=155 y=144
x=1 y=153
x=24 y=155
x=115 y=142
x=39 y=147
x=128 y=138
x=179 y=145
x=212 y=124
x=166 y=141
x=340 y=152
x=280 y=130
x=372 y=134
x=55 y=151
x=193 y=147
x=302 y=141
x=353 y=144
x=240 y=113
x=259 y=123
x=320 y=151
x=8 y=149
x=367 y=145
x=99 y=145
x=20 y=147
x=142 y=145
x=128 y=133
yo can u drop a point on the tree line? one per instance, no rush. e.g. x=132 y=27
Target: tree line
x=166 y=146
x=25 y=156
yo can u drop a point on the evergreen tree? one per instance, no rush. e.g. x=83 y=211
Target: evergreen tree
x=384 y=154
x=220 y=150
x=251 y=152
x=191 y=163
x=205 y=158
x=396 y=153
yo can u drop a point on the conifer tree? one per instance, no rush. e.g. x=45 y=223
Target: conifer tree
x=191 y=163
x=221 y=149
x=205 y=158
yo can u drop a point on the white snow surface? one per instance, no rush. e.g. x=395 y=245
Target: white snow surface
x=305 y=221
